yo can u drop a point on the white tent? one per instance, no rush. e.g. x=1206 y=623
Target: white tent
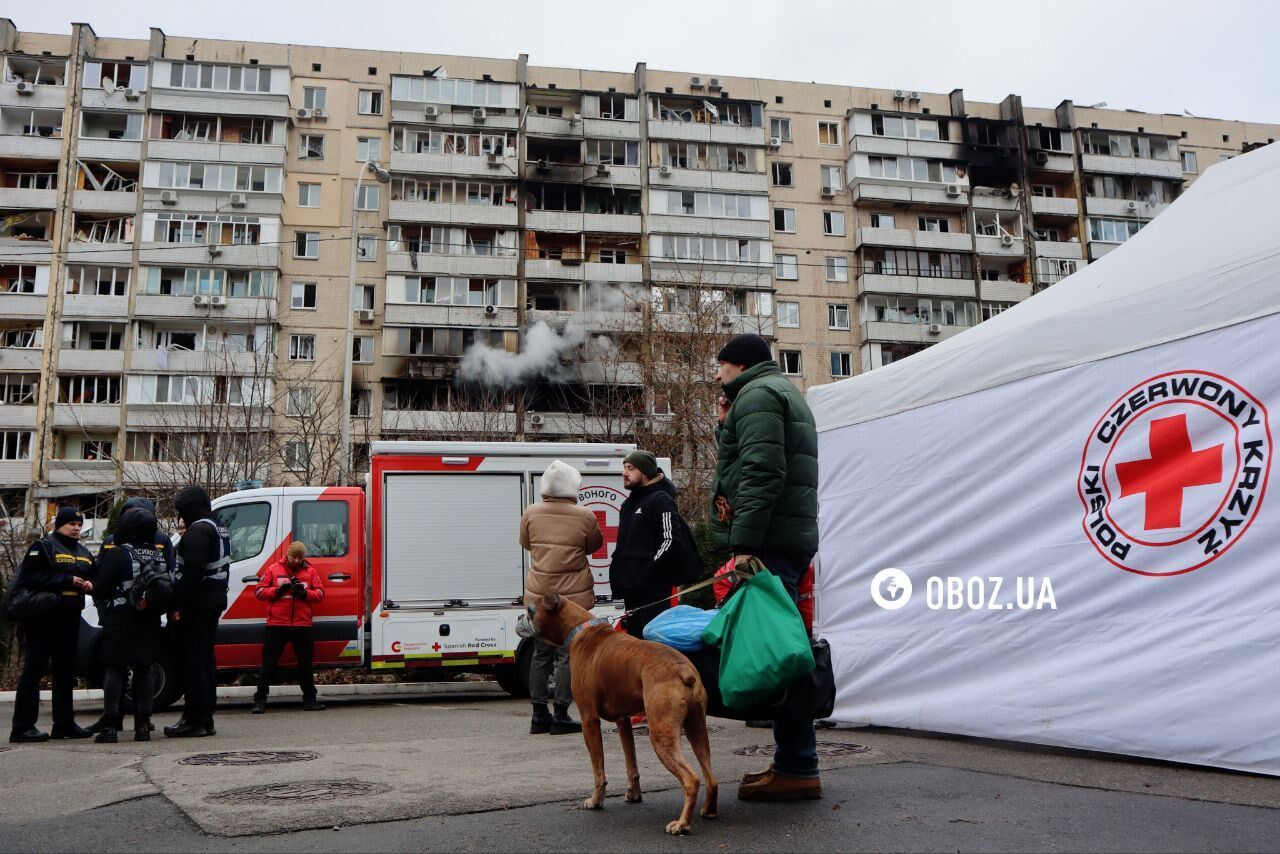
x=1108 y=443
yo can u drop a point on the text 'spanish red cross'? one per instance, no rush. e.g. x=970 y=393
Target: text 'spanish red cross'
x=436 y=646
x=610 y=535
x=1173 y=467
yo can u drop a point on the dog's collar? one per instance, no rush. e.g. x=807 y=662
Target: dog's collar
x=594 y=621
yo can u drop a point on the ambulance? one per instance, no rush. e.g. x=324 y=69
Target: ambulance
x=423 y=567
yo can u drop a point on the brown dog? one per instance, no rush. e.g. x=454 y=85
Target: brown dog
x=616 y=676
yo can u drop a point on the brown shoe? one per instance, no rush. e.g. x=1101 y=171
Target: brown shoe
x=757 y=776
x=780 y=787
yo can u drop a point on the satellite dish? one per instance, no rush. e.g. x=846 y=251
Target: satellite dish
x=1015 y=190
x=108 y=85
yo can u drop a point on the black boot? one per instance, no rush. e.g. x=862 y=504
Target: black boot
x=185 y=729
x=30 y=735
x=142 y=730
x=104 y=723
x=107 y=736
x=71 y=730
x=542 y=720
x=562 y=724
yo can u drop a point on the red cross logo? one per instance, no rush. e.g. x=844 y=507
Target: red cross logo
x=610 y=535
x=1172 y=468
x=436 y=646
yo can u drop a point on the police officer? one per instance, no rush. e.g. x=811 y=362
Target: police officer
x=57 y=563
x=204 y=561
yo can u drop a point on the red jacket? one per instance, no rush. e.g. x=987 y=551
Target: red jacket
x=288 y=610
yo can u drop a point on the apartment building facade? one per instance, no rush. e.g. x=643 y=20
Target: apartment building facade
x=182 y=220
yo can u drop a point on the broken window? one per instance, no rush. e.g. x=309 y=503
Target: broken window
x=828 y=133
x=112 y=230
x=110 y=76
x=304 y=295
x=306 y=244
x=790 y=361
x=934 y=224
x=15 y=445
x=89 y=389
x=311 y=146
x=838 y=316
x=614 y=152
x=20 y=279
x=782 y=176
x=833 y=223
x=302 y=348
x=18 y=389
x=31 y=180
x=366 y=248
x=1049 y=139
x=98 y=281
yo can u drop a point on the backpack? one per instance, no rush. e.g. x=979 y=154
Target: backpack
x=21 y=603
x=152 y=581
x=687 y=565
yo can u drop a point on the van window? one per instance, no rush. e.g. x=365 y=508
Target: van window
x=247 y=526
x=322 y=527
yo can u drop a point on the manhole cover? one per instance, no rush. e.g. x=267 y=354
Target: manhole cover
x=825 y=748
x=643 y=729
x=250 y=757
x=302 y=790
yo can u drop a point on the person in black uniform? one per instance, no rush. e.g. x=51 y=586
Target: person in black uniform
x=129 y=635
x=204 y=561
x=58 y=563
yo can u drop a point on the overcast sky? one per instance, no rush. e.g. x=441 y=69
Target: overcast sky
x=1219 y=59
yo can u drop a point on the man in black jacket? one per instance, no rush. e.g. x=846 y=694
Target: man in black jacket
x=204 y=561
x=57 y=563
x=651 y=539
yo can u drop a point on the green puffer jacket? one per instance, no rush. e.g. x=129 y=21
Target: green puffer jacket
x=767 y=466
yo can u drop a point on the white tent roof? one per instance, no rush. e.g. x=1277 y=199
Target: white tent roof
x=1209 y=261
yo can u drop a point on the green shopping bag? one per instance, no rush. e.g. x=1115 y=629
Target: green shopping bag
x=762 y=640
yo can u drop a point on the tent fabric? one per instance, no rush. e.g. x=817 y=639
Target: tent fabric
x=1194 y=269
x=1107 y=443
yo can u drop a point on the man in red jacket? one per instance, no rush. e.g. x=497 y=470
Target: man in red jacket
x=289 y=587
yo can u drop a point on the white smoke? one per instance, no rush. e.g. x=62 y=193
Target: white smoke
x=539 y=359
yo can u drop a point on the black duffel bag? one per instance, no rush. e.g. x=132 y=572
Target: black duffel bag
x=809 y=698
x=22 y=604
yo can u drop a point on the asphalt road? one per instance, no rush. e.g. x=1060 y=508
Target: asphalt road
x=458 y=771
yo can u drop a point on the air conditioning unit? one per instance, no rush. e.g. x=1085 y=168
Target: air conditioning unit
x=317 y=114
x=535 y=420
x=495 y=159
x=218 y=301
x=303 y=113
x=201 y=299
x=215 y=251
x=1042 y=158
x=365 y=315
x=544 y=166
x=25 y=88
x=935 y=328
x=479 y=114
x=239 y=200
x=641 y=423
x=602 y=168
x=726 y=321
x=575 y=118
x=899 y=95
x=775 y=142
x=1132 y=206
x=953 y=189
x=431 y=112
x=168 y=197
x=695 y=82
x=490 y=310
x=664 y=170
x=1006 y=240
x=132 y=95
x=915 y=96
x=828 y=192
x=714 y=84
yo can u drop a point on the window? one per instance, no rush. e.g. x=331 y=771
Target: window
x=784 y=219
x=297 y=456
x=368 y=198
x=88 y=389
x=841 y=364
x=302 y=348
x=786 y=267
x=789 y=315
x=18 y=389
x=782 y=176
x=1189 y=162
x=308 y=195
x=1051 y=234
x=882 y=220
x=97 y=281
x=368 y=148
x=616 y=152
x=790 y=361
x=322 y=525
x=837 y=269
x=838 y=316
x=991 y=309
x=364 y=297
x=935 y=224
x=300 y=401
x=306 y=244
x=369 y=102
x=828 y=133
x=361 y=403
x=246 y=525
x=15 y=445
x=367 y=248
x=1113 y=230
x=912 y=169
x=362 y=350
x=781 y=129
x=311 y=146
x=1044 y=191
x=313 y=97
x=304 y=295
x=833 y=223
x=832 y=178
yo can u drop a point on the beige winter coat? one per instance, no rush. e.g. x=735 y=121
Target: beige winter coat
x=559 y=536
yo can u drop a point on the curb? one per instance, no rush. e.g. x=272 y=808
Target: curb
x=239 y=692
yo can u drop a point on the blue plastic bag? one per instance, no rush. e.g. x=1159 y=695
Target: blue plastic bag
x=680 y=627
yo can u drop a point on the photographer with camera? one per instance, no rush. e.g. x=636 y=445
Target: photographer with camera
x=289 y=587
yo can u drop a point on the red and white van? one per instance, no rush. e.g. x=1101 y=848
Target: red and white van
x=423 y=568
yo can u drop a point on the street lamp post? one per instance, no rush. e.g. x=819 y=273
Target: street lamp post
x=344 y=450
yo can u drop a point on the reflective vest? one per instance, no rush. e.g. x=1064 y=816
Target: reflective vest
x=217 y=573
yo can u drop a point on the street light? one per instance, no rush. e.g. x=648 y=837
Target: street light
x=344 y=450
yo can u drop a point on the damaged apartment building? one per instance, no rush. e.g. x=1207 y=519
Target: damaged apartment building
x=181 y=217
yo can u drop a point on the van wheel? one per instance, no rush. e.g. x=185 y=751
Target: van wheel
x=514 y=678
x=167 y=688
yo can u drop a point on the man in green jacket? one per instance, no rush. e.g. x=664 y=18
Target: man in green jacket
x=766 y=507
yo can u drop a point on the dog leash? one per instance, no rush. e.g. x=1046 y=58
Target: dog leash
x=756 y=563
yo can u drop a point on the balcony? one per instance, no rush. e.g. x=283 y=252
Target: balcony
x=215 y=201
x=1005 y=291
x=497 y=266
x=505 y=216
x=592 y=321
x=907 y=333
x=94 y=306
x=996 y=201
x=166 y=100
x=565 y=173
x=15 y=417
x=183 y=254
x=902 y=238
x=1053 y=161
x=619 y=176
x=420 y=367
x=878 y=283
x=535 y=125
x=87 y=415
x=708 y=226
x=999 y=246
x=84 y=252
x=23 y=305
x=14 y=359
x=866 y=190
x=12 y=197
x=670 y=271
x=402 y=314
x=927 y=148
x=43 y=96
x=448 y=422
x=575 y=221
x=201 y=362
x=93 y=474
x=453 y=164
x=16 y=251
x=254 y=309
x=215 y=152
x=91 y=361
x=616 y=427
x=1059 y=249
x=170 y=417
x=721 y=134
x=1055 y=206
x=15 y=473
x=94 y=201
x=108 y=149
x=1143 y=166
x=39 y=147
x=702 y=179
x=610 y=129
x=1123 y=208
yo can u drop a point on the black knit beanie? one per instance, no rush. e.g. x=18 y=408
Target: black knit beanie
x=67 y=515
x=747 y=350
x=646 y=462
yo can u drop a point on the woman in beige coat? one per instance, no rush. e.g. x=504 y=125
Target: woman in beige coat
x=559 y=535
